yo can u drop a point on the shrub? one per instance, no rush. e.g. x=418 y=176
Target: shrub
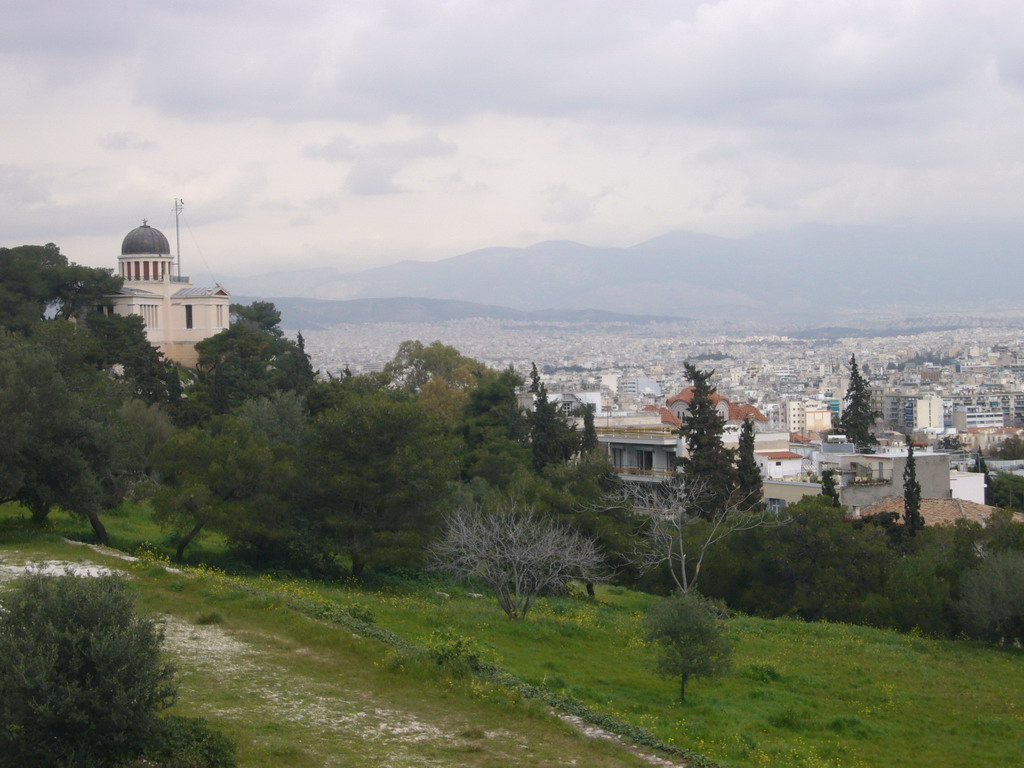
x=189 y=742
x=458 y=653
x=81 y=681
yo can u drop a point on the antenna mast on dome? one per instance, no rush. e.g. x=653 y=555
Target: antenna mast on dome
x=178 y=205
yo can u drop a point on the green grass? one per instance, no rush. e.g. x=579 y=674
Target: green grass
x=802 y=695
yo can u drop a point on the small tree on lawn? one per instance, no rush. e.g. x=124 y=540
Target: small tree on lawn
x=516 y=552
x=690 y=638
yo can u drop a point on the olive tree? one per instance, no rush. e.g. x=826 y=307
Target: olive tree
x=690 y=638
x=517 y=552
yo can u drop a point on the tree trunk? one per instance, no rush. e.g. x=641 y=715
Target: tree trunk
x=39 y=515
x=590 y=590
x=97 y=526
x=179 y=553
x=682 y=689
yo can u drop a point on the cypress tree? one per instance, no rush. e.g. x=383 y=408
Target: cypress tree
x=747 y=471
x=912 y=520
x=858 y=419
x=708 y=469
x=828 y=486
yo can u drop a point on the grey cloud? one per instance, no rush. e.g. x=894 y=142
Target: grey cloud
x=122 y=141
x=375 y=166
x=738 y=60
x=569 y=206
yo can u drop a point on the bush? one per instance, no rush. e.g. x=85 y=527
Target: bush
x=458 y=653
x=81 y=681
x=188 y=742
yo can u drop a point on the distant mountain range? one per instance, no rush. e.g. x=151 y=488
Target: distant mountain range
x=814 y=275
x=315 y=314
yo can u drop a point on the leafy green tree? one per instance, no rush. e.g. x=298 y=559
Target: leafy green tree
x=748 y=473
x=950 y=443
x=495 y=430
x=376 y=469
x=249 y=360
x=818 y=566
x=858 y=419
x=82 y=681
x=991 y=604
x=1012 y=449
x=121 y=340
x=912 y=520
x=415 y=364
x=1007 y=490
x=708 y=468
x=227 y=478
x=282 y=418
x=37 y=281
x=63 y=441
x=916 y=596
x=690 y=638
x=828 y=487
x=261 y=316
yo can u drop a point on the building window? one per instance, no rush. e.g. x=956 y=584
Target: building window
x=645 y=459
x=145 y=270
x=188 y=315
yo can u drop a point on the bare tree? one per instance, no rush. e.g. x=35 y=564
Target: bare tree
x=517 y=552
x=678 y=530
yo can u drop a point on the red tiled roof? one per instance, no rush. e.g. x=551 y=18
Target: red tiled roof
x=667 y=417
x=778 y=455
x=737 y=412
x=939 y=511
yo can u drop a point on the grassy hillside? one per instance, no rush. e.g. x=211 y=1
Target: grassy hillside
x=297 y=691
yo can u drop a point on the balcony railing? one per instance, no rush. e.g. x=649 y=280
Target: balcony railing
x=659 y=473
x=650 y=433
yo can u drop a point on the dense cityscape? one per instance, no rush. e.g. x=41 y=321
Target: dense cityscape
x=977 y=373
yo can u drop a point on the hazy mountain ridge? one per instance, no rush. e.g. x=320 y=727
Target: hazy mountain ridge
x=811 y=274
x=316 y=314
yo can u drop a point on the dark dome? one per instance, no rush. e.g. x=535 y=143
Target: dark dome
x=144 y=240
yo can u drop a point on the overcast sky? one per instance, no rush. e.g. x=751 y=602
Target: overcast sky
x=345 y=133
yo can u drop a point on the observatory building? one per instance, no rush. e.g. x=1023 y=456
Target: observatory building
x=176 y=313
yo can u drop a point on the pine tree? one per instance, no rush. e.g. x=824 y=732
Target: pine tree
x=708 y=467
x=912 y=520
x=858 y=419
x=747 y=471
